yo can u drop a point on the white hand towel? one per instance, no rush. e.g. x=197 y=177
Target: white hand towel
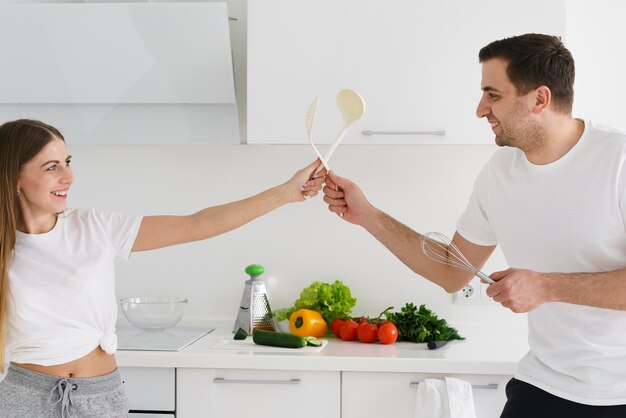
x=460 y=398
x=449 y=398
x=432 y=399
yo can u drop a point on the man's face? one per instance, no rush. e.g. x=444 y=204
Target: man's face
x=509 y=115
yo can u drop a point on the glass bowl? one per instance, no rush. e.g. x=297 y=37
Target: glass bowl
x=153 y=313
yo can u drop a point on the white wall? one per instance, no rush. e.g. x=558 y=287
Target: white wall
x=426 y=187
x=596 y=37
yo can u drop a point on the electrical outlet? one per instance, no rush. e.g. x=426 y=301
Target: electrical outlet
x=474 y=293
x=468 y=294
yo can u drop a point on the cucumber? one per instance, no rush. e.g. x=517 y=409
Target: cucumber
x=313 y=341
x=241 y=334
x=278 y=339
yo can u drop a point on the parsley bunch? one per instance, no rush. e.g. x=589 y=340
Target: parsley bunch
x=421 y=325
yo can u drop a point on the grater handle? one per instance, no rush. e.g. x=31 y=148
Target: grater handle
x=254 y=270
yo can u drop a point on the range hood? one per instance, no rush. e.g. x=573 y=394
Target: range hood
x=120 y=73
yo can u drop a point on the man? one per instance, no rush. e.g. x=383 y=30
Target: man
x=554 y=198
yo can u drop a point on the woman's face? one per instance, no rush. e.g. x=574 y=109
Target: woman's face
x=43 y=183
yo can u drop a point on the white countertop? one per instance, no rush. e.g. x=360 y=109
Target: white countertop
x=482 y=352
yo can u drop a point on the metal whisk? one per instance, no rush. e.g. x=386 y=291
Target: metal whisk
x=439 y=248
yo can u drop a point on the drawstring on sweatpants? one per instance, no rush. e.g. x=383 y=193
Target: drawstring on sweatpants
x=64 y=390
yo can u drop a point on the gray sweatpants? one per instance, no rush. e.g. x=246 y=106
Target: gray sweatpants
x=28 y=394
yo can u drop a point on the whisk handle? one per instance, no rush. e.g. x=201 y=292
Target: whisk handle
x=484 y=277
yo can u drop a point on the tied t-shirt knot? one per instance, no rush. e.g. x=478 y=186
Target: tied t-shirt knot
x=108 y=342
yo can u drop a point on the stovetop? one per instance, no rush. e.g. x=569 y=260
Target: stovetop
x=171 y=339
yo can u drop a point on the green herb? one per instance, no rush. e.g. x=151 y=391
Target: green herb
x=421 y=325
x=331 y=300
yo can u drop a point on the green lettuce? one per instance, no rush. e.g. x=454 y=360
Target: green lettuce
x=331 y=300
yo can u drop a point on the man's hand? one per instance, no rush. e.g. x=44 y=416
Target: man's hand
x=346 y=198
x=519 y=290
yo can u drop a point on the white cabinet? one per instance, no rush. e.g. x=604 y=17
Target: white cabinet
x=227 y=393
x=415 y=62
x=150 y=389
x=222 y=393
x=116 y=53
x=140 y=73
x=374 y=395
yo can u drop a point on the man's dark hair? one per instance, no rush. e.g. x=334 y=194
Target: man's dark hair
x=536 y=60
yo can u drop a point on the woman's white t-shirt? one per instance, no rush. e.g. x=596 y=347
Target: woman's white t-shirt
x=62 y=302
x=567 y=216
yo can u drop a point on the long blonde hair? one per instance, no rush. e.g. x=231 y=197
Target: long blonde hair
x=20 y=141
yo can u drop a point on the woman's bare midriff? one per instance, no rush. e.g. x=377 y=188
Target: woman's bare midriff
x=96 y=363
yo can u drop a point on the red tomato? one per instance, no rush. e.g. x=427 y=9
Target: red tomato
x=388 y=333
x=367 y=333
x=379 y=322
x=336 y=326
x=363 y=320
x=348 y=330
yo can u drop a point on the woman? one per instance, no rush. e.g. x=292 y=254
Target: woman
x=57 y=299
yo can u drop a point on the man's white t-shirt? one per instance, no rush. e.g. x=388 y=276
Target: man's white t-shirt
x=567 y=216
x=62 y=301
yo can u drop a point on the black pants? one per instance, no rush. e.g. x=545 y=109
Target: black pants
x=528 y=401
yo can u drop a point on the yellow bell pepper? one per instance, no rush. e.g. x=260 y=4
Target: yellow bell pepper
x=307 y=323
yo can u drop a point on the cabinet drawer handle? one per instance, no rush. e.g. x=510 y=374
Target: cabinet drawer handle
x=425 y=133
x=491 y=386
x=257 y=381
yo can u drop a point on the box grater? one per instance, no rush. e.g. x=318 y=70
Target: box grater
x=254 y=310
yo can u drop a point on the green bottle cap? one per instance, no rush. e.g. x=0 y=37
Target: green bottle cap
x=255 y=270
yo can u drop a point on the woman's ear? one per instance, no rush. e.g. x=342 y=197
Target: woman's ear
x=543 y=98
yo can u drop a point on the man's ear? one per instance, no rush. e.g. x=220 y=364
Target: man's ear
x=543 y=98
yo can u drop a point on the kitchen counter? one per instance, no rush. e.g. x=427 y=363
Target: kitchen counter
x=482 y=352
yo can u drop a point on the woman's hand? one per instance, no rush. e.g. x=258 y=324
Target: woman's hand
x=305 y=183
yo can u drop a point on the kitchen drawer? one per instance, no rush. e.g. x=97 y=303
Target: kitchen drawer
x=150 y=388
x=227 y=393
x=357 y=387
